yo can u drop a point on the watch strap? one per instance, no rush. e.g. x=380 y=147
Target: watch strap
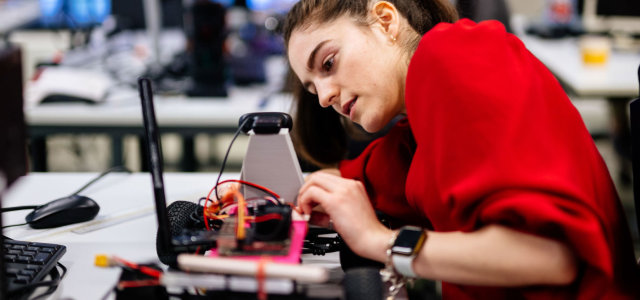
x=403 y=264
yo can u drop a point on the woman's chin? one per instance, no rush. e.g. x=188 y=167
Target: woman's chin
x=371 y=127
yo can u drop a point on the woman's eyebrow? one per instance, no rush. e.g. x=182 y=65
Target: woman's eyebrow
x=312 y=56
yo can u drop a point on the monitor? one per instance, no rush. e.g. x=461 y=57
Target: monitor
x=274 y=6
x=129 y=14
x=73 y=13
x=612 y=16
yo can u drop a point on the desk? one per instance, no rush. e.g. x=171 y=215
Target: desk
x=617 y=81
x=16 y=13
x=121 y=114
x=132 y=240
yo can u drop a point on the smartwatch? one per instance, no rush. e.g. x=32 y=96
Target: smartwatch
x=406 y=246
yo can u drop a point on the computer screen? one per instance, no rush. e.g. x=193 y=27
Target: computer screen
x=276 y=6
x=73 y=13
x=129 y=14
x=612 y=16
x=630 y=8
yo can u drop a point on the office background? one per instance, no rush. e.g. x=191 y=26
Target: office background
x=93 y=152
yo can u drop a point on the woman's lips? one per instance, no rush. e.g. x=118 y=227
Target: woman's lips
x=348 y=108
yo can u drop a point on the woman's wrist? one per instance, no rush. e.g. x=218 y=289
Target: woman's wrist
x=376 y=243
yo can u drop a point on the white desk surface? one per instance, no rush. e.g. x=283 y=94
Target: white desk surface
x=15 y=13
x=116 y=193
x=124 y=109
x=618 y=78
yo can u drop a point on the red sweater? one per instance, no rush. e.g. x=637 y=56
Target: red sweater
x=497 y=141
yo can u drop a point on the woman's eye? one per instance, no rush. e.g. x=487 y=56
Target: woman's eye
x=328 y=64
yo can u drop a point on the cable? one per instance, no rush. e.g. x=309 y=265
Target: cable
x=14 y=225
x=253 y=185
x=8 y=209
x=224 y=161
x=112 y=169
x=57 y=277
x=240 y=217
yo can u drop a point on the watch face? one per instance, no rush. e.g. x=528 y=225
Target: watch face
x=407 y=241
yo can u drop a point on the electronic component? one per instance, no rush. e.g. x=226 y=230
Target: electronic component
x=265 y=122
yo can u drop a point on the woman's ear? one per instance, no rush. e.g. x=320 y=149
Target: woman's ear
x=386 y=16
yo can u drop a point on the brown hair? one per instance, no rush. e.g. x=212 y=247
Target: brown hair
x=320 y=134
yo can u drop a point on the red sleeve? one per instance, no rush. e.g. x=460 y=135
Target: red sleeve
x=499 y=142
x=382 y=168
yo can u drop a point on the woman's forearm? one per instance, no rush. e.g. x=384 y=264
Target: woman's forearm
x=494 y=256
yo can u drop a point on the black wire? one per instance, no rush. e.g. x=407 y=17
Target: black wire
x=14 y=225
x=7 y=209
x=112 y=169
x=109 y=292
x=53 y=287
x=224 y=161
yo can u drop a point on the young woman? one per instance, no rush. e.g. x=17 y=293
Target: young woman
x=492 y=160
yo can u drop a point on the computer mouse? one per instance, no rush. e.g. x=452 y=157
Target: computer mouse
x=64 y=211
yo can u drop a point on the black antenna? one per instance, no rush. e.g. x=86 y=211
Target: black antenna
x=155 y=160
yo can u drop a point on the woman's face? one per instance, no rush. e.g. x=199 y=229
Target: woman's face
x=355 y=69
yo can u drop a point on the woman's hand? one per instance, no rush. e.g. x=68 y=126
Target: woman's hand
x=347 y=204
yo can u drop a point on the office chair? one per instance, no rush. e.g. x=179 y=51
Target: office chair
x=634 y=119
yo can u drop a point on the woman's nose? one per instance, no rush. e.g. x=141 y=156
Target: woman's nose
x=328 y=93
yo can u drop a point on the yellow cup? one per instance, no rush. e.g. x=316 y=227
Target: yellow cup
x=595 y=50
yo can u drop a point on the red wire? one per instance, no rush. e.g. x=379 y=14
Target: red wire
x=264 y=189
x=267 y=217
x=204 y=209
x=137 y=283
x=146 y=270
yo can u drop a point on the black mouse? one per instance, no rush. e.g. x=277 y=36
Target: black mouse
x=64 y=211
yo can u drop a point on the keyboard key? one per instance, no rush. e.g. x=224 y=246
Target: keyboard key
x=41 y=258
x=22 y=279
x=23 y=259
x=34 y=267
x=12 y=272
x=48 y=250
x=14 y=252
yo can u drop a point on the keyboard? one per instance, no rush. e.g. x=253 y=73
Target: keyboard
x=28 y=262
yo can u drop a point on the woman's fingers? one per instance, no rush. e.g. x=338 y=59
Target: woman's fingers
x=323 y=180
x=320 y=219
x=310 y=197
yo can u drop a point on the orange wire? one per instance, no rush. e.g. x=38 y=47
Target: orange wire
x=240 y=232
x=261 y=276
x=204 y=209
